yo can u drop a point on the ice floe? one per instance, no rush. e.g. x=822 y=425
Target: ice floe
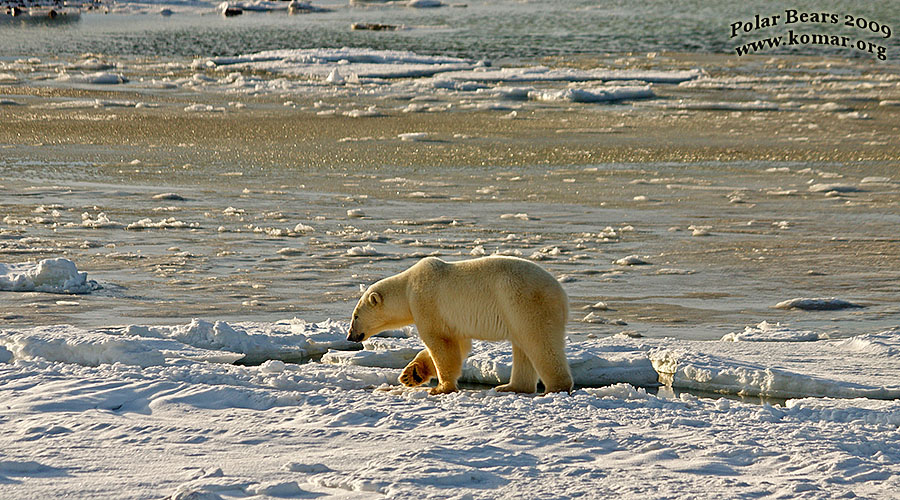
x=362 y=251
x=377 y=72
x=767 y=332
x=816 y=304
x=98 y=78
x=545 y=74
x=413 y=136
x=631 y=260
x=88 y=103
x=167 y=223
x=319 y=63
x=593 y=94
x=715 y=373
x=292 y=7
x=839 y=188
x=57 y=275
x=100 y=221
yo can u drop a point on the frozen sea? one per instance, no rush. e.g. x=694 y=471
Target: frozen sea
x=191 y=204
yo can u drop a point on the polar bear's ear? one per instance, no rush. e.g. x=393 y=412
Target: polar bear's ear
x=375 y=298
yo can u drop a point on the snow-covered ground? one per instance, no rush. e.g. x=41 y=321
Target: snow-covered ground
x=151 y=412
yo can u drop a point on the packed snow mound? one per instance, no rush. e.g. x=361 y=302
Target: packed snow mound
x=878 y=345
x=5 y=355
x=786 y=370
x=772 y=361
x=767 y=332
x=65 y=344
x=49 y=275
x=593 y=364
x=868 y=411
x=200 y=340
x=361 y=62
x=378 y=352
x=294 y=340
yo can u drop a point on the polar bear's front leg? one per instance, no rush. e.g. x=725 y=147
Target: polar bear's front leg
x=447 y=353
x=419 y=371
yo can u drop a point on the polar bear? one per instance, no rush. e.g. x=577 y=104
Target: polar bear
x=489 y=298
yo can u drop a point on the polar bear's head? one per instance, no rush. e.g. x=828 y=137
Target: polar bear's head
x=383 y=306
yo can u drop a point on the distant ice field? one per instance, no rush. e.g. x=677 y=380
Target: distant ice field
x=477 y=29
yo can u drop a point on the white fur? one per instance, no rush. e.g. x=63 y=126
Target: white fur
x=491 y=298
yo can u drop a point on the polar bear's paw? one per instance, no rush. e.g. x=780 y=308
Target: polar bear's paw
x=443 y=388
x=416 y=373
x=514 y=388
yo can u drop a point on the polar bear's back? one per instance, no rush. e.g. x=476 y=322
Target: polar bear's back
x=494 y=298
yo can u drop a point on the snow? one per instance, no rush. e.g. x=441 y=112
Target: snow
x=57 y=275
x=778 y=367
x=66 y=345
x=164 y=411
x=290 y=340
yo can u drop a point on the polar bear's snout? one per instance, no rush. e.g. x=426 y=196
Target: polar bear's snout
x=355 y=336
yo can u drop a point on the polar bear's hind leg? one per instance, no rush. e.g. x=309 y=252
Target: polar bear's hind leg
x=551 y=364
x=524 y=377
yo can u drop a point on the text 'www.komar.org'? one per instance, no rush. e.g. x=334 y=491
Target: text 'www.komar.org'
x=792 y=38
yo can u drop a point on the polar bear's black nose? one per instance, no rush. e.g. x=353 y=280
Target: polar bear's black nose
x=355 y=337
